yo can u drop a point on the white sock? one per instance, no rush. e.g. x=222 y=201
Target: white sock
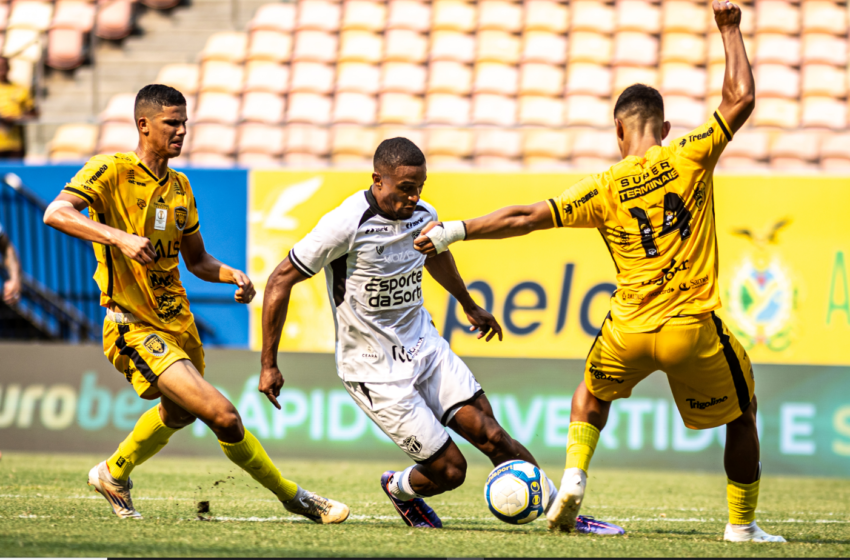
x=553 y=493
x=744 y=528
x=400 y=485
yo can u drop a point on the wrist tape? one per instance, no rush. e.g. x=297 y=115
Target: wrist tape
x=444 y=235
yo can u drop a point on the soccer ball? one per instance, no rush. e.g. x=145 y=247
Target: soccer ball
x=517 y=492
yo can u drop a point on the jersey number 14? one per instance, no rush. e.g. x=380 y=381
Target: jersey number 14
x=676 y=218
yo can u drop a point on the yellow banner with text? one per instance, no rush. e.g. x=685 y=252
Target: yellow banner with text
x=784 y=264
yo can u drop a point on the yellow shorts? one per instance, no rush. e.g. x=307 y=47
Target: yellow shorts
x=709 y=372
x=142 y=353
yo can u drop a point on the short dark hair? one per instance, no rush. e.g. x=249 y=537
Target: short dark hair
x=157 y=96
x=397 y=152
x=641 y=100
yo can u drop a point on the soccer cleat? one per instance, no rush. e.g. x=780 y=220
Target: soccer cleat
x=415 y=512
x=563 y=513
x=586 y=524
x=116 y=492
x=316 y=508
x=749 y=533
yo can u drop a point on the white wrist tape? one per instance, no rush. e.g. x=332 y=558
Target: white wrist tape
x=444 y=235
x=54 y=206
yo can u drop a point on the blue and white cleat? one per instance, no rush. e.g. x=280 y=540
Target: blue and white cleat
x=415 y=512
x=116 y=492
x=586 y=524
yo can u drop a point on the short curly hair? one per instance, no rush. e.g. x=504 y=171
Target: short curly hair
x=397 y=152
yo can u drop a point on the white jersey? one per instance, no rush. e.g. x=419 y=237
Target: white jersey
x=374 y=278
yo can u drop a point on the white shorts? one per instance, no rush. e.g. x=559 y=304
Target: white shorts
x=413 y=412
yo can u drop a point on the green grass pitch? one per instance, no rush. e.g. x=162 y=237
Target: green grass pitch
x=46 y=509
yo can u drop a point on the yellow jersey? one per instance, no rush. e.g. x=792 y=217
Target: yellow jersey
x=656 y=215
x=15 y=102
x=123 y=193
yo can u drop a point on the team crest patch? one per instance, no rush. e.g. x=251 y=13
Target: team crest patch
x=180 y=217
x=411 y=445
x=155 y=345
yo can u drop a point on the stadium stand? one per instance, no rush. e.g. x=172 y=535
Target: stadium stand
x=493 y=83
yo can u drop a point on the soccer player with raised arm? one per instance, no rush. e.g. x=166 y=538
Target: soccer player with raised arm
x=142 y=218
x=655 y=211
x=392 y=361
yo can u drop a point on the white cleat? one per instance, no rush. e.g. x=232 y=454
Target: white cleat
x=749 y=533
x=563 y=512
x=117 y=493
x=316 y=508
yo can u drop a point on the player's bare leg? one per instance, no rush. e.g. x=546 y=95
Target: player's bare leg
x=743 y=471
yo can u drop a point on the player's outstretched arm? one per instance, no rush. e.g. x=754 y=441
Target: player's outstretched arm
x=739 y=88
x=443 y=269
x=210 y=269
x=275 y=305
x=64 y=214
x=511 y=221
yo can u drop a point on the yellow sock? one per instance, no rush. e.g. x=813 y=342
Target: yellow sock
x=743 y=499
x=146 y=440
x=250 y=455
x=581 y=443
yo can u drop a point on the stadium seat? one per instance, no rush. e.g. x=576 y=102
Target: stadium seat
x=315 y=46
x=270 y=45
x=448 y=142
x=545 y=47
x=637 y=15
x=588 y=79
x=71 y=14
x=749 y=151
x=497 y=163
x=497 y=46
x=403 y=45
x=625 y=76
x=214 y=107
x=824 y=17
x=120 y=108
x=835 y=153
x=217 y=75
x=594 y=150
x=360 y=46
x=254 y=160
x=683 y=79
x=541 y=79
x=229 y=46
x=354 y=140
x=635 y=49
x=795 y=151
x=545 y=15
x=213 y=138
x=29 y=14
x=824 y=79
x=4 y=15
x=409 y=14
x=212 y=160
x=539 y=110
x=777 y=49
x=546 y=149
x=588 y=110
x=499 y=15
x=415 y=135
x=775 y=112
x=65 y=48
x=717 y=53
x=683 y=47
x=499 y=110
x=74 y=138
x=449 y=163
x=591 y=15
x=716 y=74
x=452 y=45
x=274 y=17
x=684 y=17
x=309 y=108
x=364 y=15
x=824 y=112
x=262 y=107
x=260 y=139
x=183 y=77
x=263 y=75
x=22 y=44
x=450 y=77
x=777 y=80
x=493 y=77
x=777 y=17
x=443 y=108
x=114 y=19
x=117 y=137
x=355 y=108
x=748 y=20
x=318 y=15
x=351 y=161
x=589 y=47
x=307 y=139
x=298 y=159
x=400 y=108
x=453 y=15
x=311 y=77
x=358 y=77
x=684 y=111
x=824 y=49
x=403 y=77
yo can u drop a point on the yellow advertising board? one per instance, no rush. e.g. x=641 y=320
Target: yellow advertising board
x=784 y=264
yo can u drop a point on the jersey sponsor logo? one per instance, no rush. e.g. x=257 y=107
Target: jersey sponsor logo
x=402 y=355
x=160 y=279
x=685 y=286
x=97 y=175
x=701 y=405
x=370 y=353
x=411 y=445
x=395 y=291
x=403 y=256
x=381 y=229
x=155 y=345
x=171 y=250
x=597 y=373
x=702 y=136
x=131 y=178
x=178 y=188
x=414 y=224
x=668 y=273
x=653 y=179
x=581 y=201
x=168 y=307
x=180 y=217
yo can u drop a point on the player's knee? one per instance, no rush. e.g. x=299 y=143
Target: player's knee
x=227 y=420
x=454 y=475
x=497 y=439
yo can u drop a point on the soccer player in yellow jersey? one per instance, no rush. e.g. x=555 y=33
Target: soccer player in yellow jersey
x=142 y=218
x=655 y=211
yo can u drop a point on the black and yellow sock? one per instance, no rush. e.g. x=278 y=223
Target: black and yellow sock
x=581 y=443
x=146 y=440
x=250 y=455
